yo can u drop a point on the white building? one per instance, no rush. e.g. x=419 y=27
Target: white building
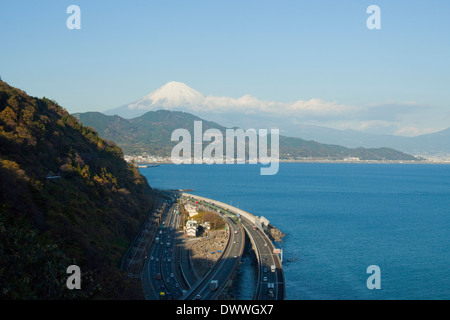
x=191 y=228
x=192 y=211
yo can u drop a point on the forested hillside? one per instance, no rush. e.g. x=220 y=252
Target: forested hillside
x=67 y=197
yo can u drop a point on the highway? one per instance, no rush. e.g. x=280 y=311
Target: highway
x=264 y=249
x=159 y=274
x=224 y=267
x=168 y=274
x=266 y=259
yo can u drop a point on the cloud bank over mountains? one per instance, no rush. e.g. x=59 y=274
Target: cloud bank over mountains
x=175 y=95
x=391 y=117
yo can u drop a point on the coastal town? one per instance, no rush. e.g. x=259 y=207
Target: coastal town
x=149 y=160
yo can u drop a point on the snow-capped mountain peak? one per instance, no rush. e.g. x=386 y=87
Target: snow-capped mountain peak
x=172 y=94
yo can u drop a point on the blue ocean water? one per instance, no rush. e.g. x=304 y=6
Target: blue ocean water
x=340 y=219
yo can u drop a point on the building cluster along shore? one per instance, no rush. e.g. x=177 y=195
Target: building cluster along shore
x=152 y=159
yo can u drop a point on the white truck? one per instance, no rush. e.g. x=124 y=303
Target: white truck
x=273 y=268
x=213 y=285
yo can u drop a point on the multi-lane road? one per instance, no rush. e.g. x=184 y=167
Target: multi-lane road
x=267 y=277
x=224 y=267
x=166 y=275
x=270 y=284
x=159 y=277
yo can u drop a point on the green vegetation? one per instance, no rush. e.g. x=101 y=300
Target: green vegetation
x=216 y=222
x=88 y=216
x=151 y=132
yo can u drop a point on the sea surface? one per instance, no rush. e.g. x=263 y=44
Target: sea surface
x=340 y=219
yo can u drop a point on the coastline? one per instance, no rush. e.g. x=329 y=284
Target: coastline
x=366 y=161
x=340 y=161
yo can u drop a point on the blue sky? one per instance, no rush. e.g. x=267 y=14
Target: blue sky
x=275 y=50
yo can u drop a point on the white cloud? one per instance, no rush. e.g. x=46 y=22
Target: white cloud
x=411 y=131
x=248 y=104
x=312 y=109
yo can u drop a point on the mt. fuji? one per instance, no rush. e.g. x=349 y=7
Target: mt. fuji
x=172 y=95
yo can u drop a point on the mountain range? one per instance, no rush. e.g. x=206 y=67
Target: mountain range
x=243 y=113
x=427 y=145
x=151 y=132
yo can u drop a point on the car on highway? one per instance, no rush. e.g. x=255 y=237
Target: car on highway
x=235 y=231
x=270 y=290
x=172 y=275
x=265 y=279
x=265 y=270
